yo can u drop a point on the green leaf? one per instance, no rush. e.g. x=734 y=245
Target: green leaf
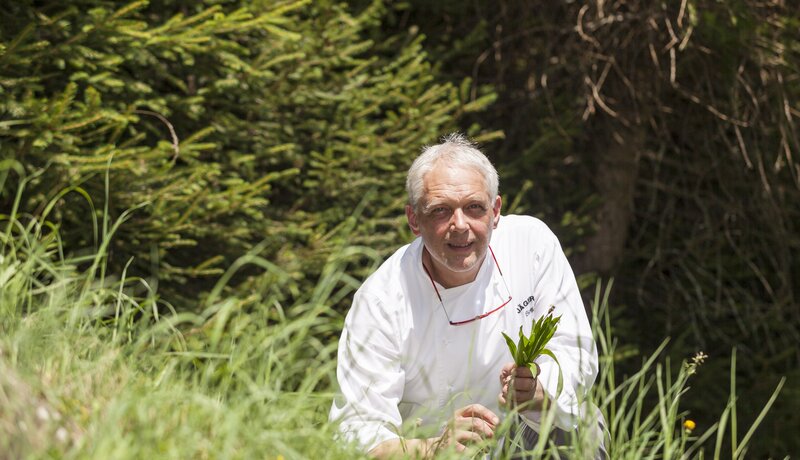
x=512 y=347
x=529 y=348
x=560 y=387
x=519 y=358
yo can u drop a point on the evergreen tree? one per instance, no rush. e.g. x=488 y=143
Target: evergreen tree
x=213 y=127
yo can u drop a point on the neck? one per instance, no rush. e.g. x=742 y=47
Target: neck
x=448 y=278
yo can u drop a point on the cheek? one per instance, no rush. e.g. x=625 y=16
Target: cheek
x=438 y=228
x=483 y=227
x=485 y=234
x=431 y=232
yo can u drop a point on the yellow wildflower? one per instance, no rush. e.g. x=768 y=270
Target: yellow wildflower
x=689 y=425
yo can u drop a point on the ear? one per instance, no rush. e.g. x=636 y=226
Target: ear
x=412 y=220
x=498 y=204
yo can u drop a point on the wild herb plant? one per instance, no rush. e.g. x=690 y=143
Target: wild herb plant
x=527 y=349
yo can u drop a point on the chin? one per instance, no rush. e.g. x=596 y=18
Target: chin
x=463 y=267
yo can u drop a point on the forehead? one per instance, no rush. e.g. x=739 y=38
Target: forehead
x=454 y=182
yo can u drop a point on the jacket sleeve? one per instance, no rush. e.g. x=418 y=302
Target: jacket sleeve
x=370 y=375
x=572 y=343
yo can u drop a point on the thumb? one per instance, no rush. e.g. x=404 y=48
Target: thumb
x=507 y=370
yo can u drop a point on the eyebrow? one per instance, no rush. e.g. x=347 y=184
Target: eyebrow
x=445 y=202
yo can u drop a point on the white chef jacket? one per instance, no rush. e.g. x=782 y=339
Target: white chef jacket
x=400 y=361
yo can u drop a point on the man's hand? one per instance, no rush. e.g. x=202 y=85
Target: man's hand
x=469 y=424
x=526 y=388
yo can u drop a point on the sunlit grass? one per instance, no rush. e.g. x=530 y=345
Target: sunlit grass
x=94 y=365
x=91 y=366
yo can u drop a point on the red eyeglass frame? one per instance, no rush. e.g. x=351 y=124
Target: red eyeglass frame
x=482 y=315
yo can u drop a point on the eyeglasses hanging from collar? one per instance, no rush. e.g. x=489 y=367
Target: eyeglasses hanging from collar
x=482 y=315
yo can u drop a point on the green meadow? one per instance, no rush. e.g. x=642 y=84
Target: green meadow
x=95 y=365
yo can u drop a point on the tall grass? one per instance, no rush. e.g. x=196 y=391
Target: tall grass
x=91 y=366
x=95 y=365
x=639 y=428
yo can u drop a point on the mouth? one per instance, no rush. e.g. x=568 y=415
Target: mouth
x=460 y=246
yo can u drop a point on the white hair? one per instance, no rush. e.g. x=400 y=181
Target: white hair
x=457 y=151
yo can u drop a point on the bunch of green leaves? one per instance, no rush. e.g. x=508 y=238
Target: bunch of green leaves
x=527 y=349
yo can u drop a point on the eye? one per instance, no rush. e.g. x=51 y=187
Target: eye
x=476 y=210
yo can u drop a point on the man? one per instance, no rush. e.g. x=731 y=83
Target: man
x=422 y=363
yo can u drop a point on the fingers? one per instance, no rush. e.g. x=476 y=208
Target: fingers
x=460 y=439
x=507 y=371
x=480 y=412
x=470 y=424
x=523 y=383
x=473 y=423
x=511 y=370
x=464 y=438
x=521 y=380
x=519 y=397
x=501 y=398
x=527 y=372
x=523 y=397
x=478 y=426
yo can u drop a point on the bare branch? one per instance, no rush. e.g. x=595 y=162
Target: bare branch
x=671 y=46
x=685 y=40
x=694 y=98
x=164 y=120
x=599 y=99
x=579 y=27
x=654 y=57
x=743 y=147
x=681 y=12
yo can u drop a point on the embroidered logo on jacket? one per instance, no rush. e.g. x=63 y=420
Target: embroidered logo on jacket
x=526 y=306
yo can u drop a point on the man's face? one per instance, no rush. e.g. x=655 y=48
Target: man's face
x=455 y=219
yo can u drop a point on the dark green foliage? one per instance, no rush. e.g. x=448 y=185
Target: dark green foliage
x=229 y=123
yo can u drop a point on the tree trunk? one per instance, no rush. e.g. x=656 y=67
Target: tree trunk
x=617 y=166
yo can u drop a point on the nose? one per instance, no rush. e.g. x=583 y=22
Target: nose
x=459 y=221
